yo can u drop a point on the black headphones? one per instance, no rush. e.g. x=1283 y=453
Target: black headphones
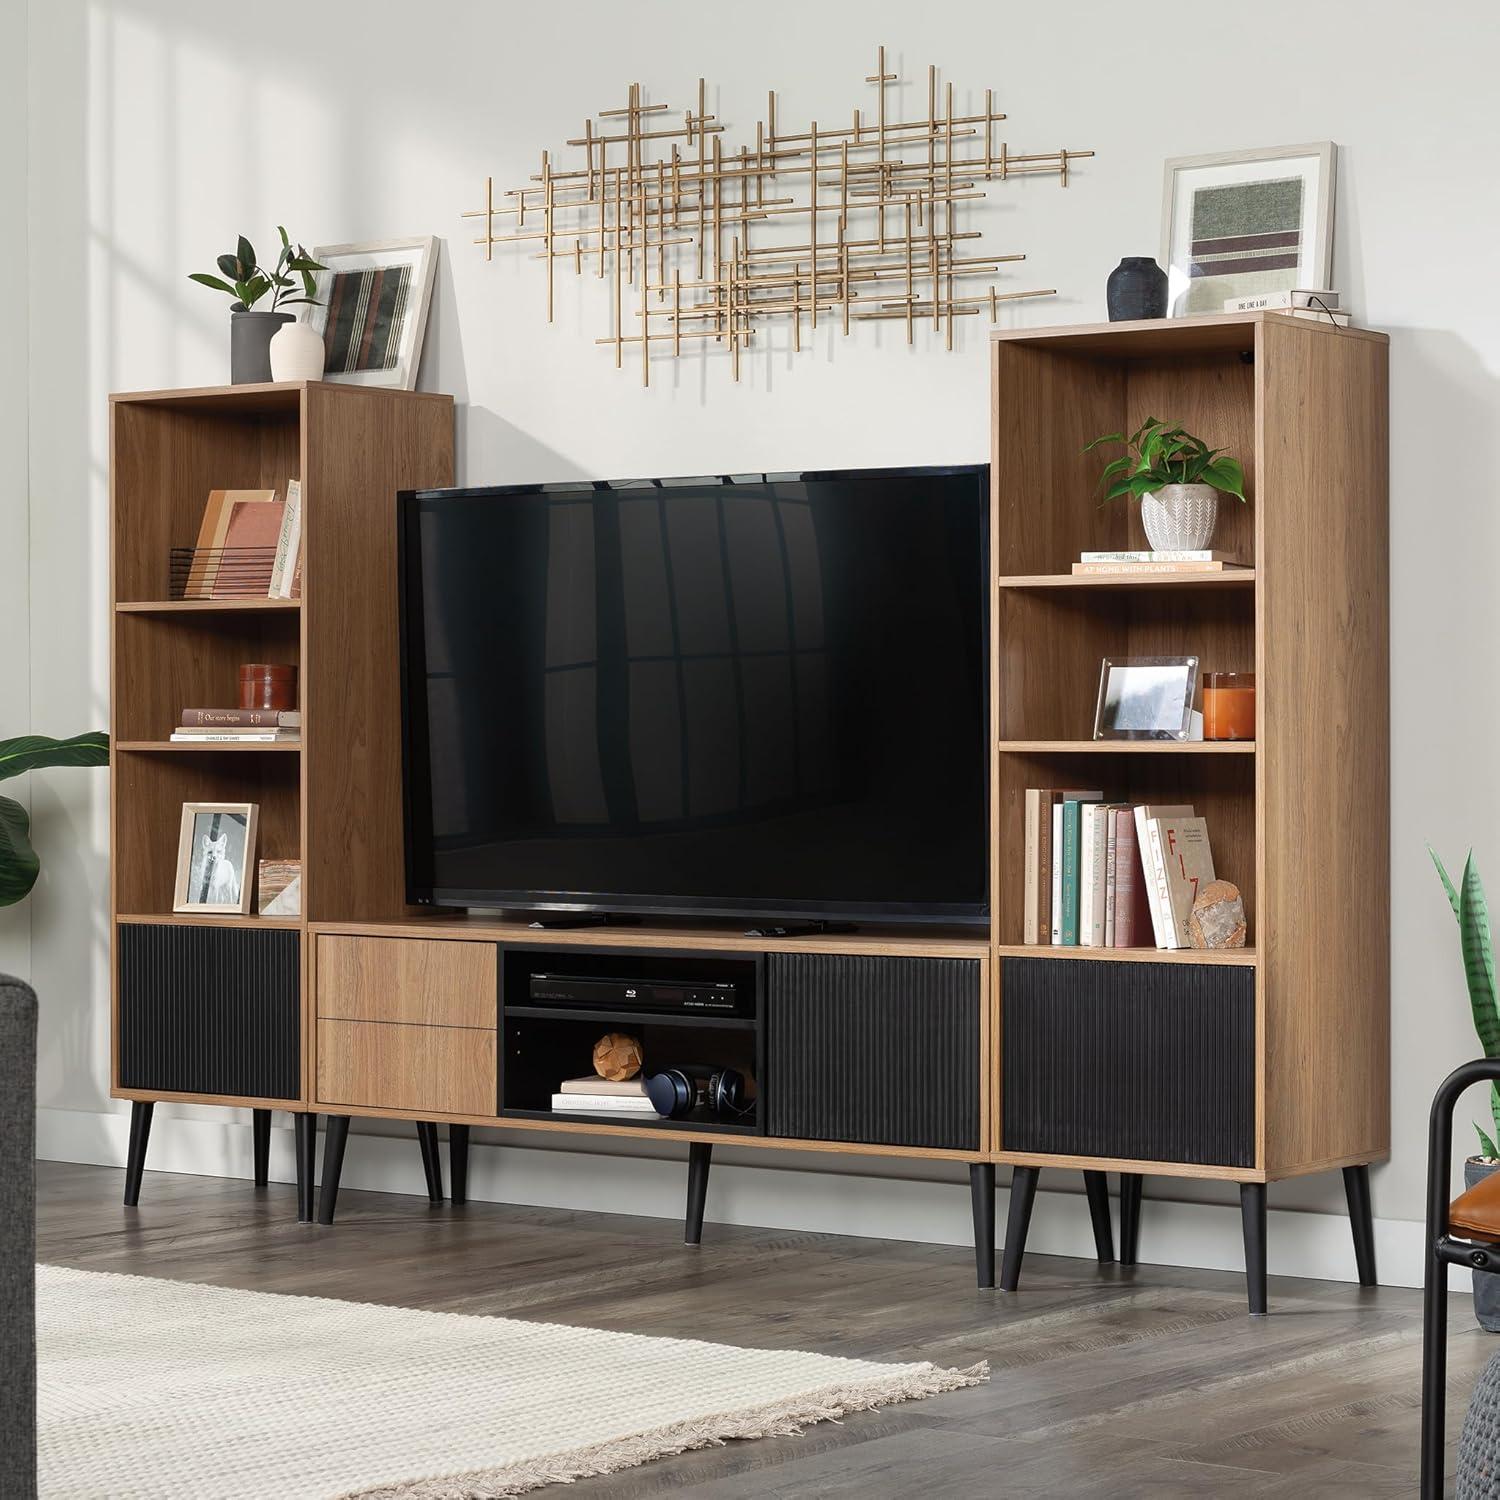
x=673 y=1092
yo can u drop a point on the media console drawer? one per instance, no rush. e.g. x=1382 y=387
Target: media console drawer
x=418 y=981
x=388 y=1065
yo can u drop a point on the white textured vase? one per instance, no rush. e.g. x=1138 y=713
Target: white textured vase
x=297 y=353
x=1177 y=517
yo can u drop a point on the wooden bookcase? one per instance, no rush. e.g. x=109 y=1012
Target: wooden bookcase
x=1299 y=819
x=334 y=799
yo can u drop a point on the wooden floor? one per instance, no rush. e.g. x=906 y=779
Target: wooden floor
x=1151 y=1382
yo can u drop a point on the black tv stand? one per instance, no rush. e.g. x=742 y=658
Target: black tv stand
x=563 y=921
x=800 y=929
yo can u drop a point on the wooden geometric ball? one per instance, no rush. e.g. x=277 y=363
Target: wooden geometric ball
x=617 y=1056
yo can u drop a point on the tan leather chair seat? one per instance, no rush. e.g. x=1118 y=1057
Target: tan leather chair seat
x=1476 y=1214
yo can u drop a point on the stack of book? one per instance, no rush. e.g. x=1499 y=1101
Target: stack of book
x=1111 y=874
x=1319 y=303
x=249 y=545
x=1090 y=563
x=239 y=726
x=603 y=1096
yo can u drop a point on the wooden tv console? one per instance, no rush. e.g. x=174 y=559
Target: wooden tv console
x=1246 y=1067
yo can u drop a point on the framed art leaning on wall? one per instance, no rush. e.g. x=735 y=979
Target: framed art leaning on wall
x=1247 y=223
x=372 y=310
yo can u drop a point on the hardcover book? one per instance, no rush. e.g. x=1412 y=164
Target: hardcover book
x=203 y=575
x=592 y=1083
x=1148 y=818
x=248 y=558
x=241 y=718
x=1132 y=908
x=1189 y=866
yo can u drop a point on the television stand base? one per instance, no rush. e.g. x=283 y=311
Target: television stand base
x=564 y=920
x=801 y=929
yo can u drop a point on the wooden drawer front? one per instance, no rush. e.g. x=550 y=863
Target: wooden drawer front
x=1151 y=1062
x=442 y=1069
x=415 y=980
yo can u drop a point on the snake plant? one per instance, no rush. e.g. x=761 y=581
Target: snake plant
x=1477 y=945
x=19 y=864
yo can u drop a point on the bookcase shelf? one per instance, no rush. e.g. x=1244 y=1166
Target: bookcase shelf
x=211 y=747
x=204 y=919
x=1244 y=957
x=1127 y=747
x=206 y=606
x=1233 y=578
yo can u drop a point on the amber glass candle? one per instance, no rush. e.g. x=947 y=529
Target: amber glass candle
x=1229 y=706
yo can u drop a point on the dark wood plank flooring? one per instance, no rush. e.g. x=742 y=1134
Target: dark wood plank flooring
x=1150 y=1382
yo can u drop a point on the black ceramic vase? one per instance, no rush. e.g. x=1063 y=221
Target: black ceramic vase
x=1137 y=288
x=250 y=335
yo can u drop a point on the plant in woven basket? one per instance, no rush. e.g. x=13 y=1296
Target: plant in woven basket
x=1477 y=945
x=1159 y=455
x=242 y=277
x=19 y=864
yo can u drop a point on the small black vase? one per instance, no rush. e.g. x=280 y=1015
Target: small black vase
x=250 y=335
x=1137 y=288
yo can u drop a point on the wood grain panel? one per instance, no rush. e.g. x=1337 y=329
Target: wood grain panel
x=431 y=1069
x=362 y=446
x=409 y=980
x=1325 y=745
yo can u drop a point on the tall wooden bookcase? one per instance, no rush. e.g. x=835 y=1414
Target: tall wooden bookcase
x=1273 y=1061
x=209 y=1009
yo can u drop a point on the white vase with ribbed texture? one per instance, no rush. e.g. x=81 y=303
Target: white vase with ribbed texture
x=297 y=353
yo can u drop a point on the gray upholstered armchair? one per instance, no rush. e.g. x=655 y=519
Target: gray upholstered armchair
x=17 y=1238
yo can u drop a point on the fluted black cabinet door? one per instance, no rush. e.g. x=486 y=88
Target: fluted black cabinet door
x=1146 y=1061
x=878 y=1050
x=210 y=1010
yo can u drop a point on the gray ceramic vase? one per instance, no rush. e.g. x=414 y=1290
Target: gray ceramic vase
x=1486 y=1283
x=250 y=335
x=1137 y=288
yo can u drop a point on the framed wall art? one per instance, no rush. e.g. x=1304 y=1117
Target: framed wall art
x=216 y=857
x=1245 y=223
x=372 y=309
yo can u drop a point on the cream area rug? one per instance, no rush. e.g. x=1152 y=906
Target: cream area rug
x=151 y=1388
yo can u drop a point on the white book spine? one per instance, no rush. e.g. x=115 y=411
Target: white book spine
x=1098 y=846
x=272 y=737
x=1162 y=917
x=1086 y=875
x=613 y=1104
x=1174 y=555
x=1057 y=864
x=1030 y=932
x=1111 y=879
x=288 y=544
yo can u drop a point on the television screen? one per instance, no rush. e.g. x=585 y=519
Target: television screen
x=752 y=694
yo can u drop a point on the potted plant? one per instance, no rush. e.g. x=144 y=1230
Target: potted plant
x=19 y=865
x=1177 y=478
x=251 y=330
x=1477 y=946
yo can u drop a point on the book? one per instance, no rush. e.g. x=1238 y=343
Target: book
x=249 y=548
x=1195 y=555
x=241 y=718
x=1072 y=836
x=1148 y=818
x=286 y=569
x=603 y=1104
x=1188 y=863
x=1276 y=301
x=236 y=736
x=592 y=1083
x=1056 y=871
x=1087 y=816
x=1086 y=569
x=1111 y=872
x=1132 y=905
x=203 y=573
x=1032 y=841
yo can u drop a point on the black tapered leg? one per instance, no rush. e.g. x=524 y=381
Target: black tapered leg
x=1023 y=1182
x=458 y=1162
x=1130 y=1216
x=1253 y=1218
x=334 y=1139
x=261 y=1130
x=982 y=1197
x=1096 y=1185
x=135 y=1156
x=432 y=1163
x=306 y=1129
x=1361 y=1221
x=700 y=1153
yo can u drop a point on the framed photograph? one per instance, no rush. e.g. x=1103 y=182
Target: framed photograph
x=1146 y=698
x=1245 y=223
x=216 y=857
x=372 y=311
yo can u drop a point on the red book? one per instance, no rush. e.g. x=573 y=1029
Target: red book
x=241 y=718
x=1133 y=927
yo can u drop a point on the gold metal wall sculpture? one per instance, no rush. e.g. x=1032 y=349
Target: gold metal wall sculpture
x=665 y=212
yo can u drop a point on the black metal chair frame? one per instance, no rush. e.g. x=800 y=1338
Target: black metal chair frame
x=1443 y=1250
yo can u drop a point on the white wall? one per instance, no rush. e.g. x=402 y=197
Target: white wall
x=160 y=130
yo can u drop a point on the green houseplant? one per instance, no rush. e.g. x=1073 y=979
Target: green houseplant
x=1177 y=478
x=19 y=864
x=288 y=283
x=1476 y=943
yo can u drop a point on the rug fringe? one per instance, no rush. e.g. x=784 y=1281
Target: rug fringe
x=776 y=1419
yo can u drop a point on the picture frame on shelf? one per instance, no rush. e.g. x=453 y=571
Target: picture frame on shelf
x=1247 y=223
x=1146 y=698
x=371 y=309
x=216 y=858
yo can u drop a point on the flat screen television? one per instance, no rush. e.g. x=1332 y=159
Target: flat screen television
x=745 y=695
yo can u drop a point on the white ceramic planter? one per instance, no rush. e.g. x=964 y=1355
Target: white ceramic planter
x=1177 y=517
x=297 y=353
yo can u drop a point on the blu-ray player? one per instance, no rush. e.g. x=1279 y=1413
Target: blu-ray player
x=596 y=992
